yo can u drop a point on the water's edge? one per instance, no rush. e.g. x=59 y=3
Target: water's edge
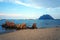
x=39 y=23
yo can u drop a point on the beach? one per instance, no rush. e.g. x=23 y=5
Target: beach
x=33 y=34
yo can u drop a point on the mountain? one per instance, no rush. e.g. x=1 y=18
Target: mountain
x=44 y=17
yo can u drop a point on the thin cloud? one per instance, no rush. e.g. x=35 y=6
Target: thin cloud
x=47 y=3
x=20 y=2
x=36 y=3
x=1 y=0
x=27 y=4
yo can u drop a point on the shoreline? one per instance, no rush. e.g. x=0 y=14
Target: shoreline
x=14 y=30
x=33 y=34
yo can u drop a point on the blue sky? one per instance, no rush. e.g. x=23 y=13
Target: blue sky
x=29 y=9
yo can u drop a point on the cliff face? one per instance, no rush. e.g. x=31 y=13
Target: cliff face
x=46 y=17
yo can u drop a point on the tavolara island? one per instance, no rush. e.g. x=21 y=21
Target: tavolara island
x=44 y=17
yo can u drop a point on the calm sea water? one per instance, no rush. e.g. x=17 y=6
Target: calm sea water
x=39 y=23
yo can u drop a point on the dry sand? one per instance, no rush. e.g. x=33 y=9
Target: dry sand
x=33 y=34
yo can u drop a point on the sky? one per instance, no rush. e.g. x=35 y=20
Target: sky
x=29 y=9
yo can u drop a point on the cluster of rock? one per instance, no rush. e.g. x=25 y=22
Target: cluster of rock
x=12 y=25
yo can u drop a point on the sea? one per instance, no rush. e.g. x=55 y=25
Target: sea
x=29 y=22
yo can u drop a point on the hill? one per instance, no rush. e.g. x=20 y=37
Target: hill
x=46 y=17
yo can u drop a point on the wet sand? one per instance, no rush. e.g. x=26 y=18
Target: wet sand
x=33 y=34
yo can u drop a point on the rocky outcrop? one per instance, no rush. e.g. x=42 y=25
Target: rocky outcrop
x=12 y=25
x=9 y=25
x=21 y=26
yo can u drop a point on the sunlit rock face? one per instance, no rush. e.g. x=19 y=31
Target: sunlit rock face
x=18 y=26
x=10 y=24
x=44 y=17
x=23 y=26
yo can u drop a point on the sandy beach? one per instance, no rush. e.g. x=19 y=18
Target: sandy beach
x=33 y=34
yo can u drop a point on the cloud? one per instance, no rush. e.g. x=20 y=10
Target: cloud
x=21 y=3
x=36 y=3
x=27 y=3
x=1 y=0
x=54 y=12
x=47 y=3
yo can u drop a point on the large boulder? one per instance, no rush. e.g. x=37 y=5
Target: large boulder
x=12 y=24
x=34 y=26
x=23 y=26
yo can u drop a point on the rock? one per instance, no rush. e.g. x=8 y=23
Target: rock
x=12 y=24
x=9 y=25
x=18 y=26
x=34 y=26
x=23 y=26
x=3 y=25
